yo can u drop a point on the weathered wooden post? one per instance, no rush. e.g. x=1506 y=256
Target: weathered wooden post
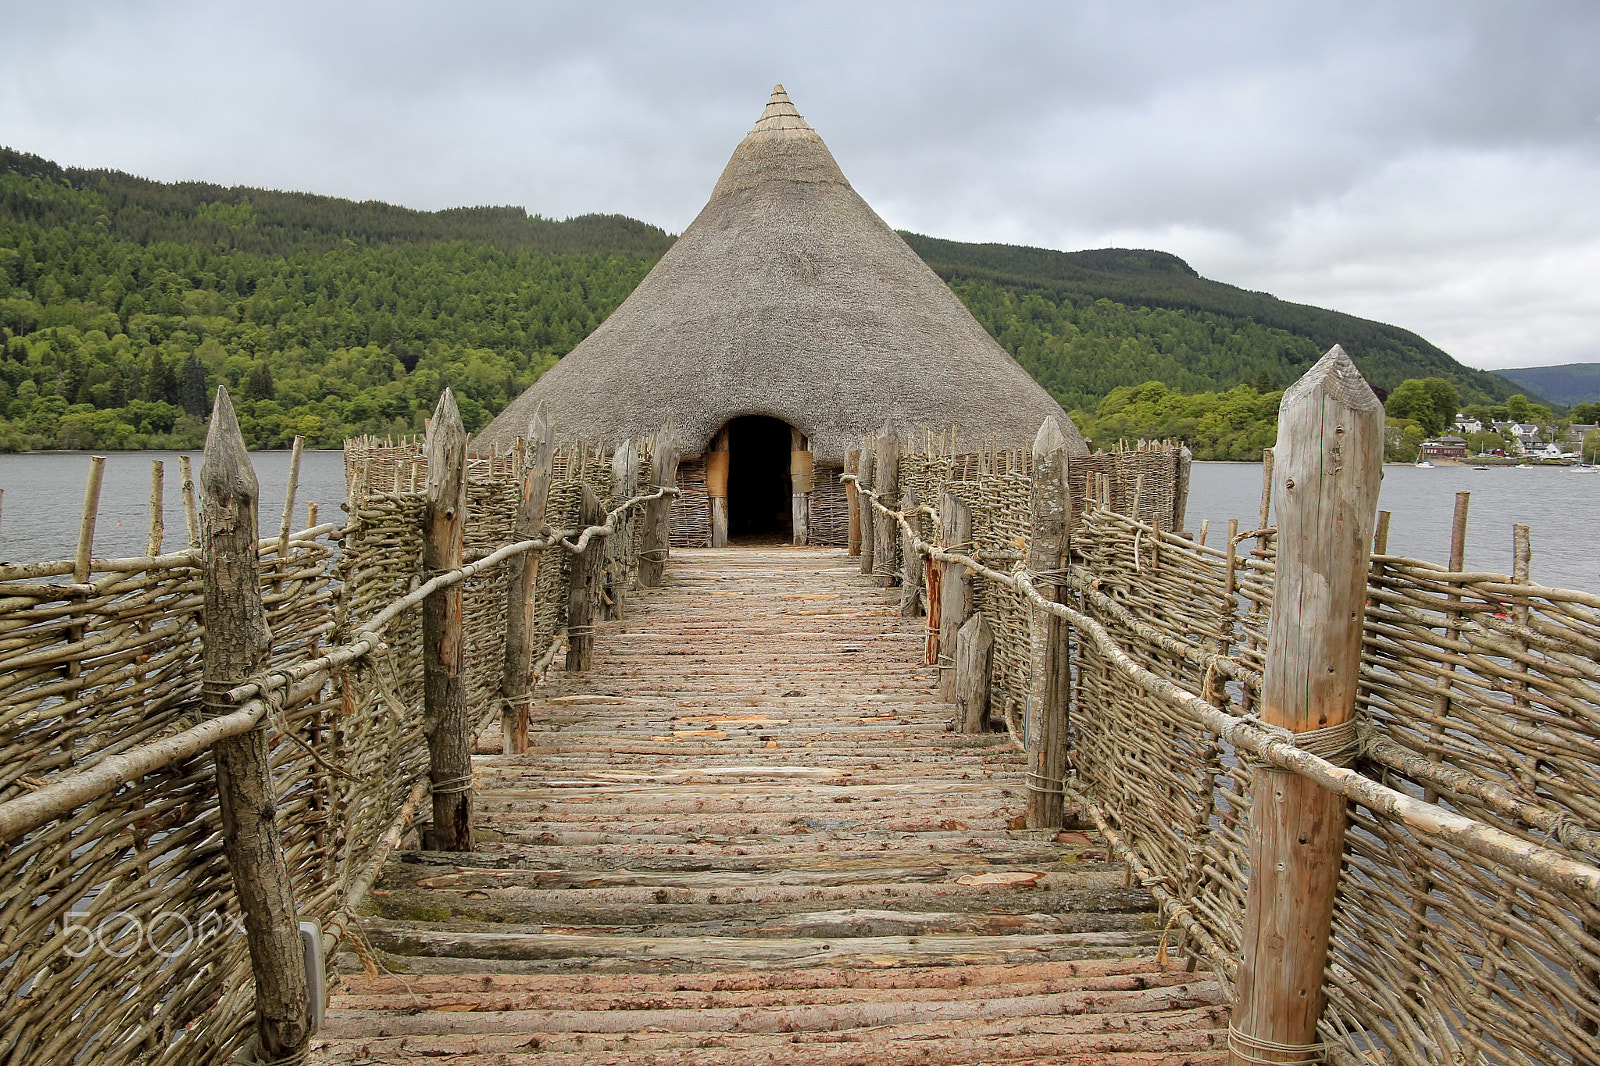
x=852 y=465
x=886 y=476
x=446 y=722
x=869 y=517
x=583 y=593
x=624 y=482
x=235 y=648
x=1180 y=497
x=974 y=665
x=800 y=485
x=910 y=563
x=717 y=487
x=1329 y=460
x=955 y=587
x=658 y=513
x=516 y=679
x=1047 y=554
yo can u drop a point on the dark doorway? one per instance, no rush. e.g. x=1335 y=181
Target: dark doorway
x=758 y=479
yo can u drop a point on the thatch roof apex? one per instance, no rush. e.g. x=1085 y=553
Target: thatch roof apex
x=788 y=297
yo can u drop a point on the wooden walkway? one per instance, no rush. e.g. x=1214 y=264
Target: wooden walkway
x=749 y=836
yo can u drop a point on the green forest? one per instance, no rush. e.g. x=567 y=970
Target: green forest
x=125 y=302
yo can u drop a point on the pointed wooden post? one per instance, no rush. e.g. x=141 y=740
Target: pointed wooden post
x=910 y=565
x=658 y=513
x=516 y=679
x=1328 y=463
x=974 y=654
x=624 y=482
x=955 y=587
x=852 y=465
x=1047 y=554
x=583 y=594
x=869 y=517
x=235 y=648
x=717 y=487
x=446 y=721
x=886 y=532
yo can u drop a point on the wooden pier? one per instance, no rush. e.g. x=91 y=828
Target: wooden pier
x=751 y=834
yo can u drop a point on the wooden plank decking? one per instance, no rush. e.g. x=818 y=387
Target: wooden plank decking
x=748 y=835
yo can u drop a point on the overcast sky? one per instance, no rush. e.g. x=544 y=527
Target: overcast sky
x=1433 y=165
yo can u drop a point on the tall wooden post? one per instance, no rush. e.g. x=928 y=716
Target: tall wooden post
x=852 y=465
x=624 y=482
x=974 y=654
x=1329 y=460
x=955 y=587
x=910 y=564
x=886 y=532
x=1047 y=554
x=516 y=678
x=236 y=645
x=800 y=484
x=869 y=517
x=1180 y=496
x=658 y=513
x=583 y=594
x=717 y=487
x=446 y=722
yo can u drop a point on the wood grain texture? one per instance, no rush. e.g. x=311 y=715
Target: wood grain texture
x=516 y=685
x=1047 y=745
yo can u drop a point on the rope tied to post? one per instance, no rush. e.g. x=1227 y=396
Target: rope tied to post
x=1252 y=1048
x=451 y=786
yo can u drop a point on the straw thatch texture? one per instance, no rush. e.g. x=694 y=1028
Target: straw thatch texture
x=789 y=297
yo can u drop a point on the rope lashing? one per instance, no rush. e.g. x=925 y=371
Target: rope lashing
x=452 y=785
x=1252 y=1048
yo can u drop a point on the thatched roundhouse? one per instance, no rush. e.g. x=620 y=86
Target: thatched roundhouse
x=788 y=316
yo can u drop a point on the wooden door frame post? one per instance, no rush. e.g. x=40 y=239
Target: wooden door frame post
x=536 y=458
x=446 y=721
x=235 y=647
x=1047 y=554
x=1329 y=461
x=800 y=484
x=658 y=513
x=717 y=465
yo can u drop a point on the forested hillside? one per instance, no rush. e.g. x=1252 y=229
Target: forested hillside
x=124 y=302
x=1569 y=383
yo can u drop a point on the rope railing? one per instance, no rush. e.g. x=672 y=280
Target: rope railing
x=275 y=688
x=1277 y=747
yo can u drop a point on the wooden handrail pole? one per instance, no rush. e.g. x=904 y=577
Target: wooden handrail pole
x=955 y=587
x=516 y=677
x=583 y=594
x=869 y=462
x=658 y=513
x=235 y=647
x=886 y=479
x=1047 y=554
x=446 y=722
x=1328 y=464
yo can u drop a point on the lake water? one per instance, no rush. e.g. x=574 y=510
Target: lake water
x=1562 y=506
x=44 y=497
x=43 y=500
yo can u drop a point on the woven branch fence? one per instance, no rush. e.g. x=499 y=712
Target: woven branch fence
x=120 y=930
x=1467 y=921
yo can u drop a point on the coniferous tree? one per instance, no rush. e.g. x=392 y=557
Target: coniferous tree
x=162 y=384
x=258 y=386
x=195 y=400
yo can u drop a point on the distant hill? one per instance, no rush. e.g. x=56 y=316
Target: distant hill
x=1567 y=384
x=124 y=302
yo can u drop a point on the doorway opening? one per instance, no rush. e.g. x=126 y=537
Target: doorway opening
x=759 y=509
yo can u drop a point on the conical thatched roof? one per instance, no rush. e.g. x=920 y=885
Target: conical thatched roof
x=788 y=296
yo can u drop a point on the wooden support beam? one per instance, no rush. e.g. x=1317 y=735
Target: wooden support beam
x=955 y=587
x=658 y=513
x=1329 y=460
x=910 y=565
x=624 y=482
x=583 y=594
x=1047 y=554
x=974 y=655
x=886 y=477
x=446 y=721
x=717 y=487
x=852 y=465
x=235 y=648
x=800 y=484
x=869 y=517
x=536 y=456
